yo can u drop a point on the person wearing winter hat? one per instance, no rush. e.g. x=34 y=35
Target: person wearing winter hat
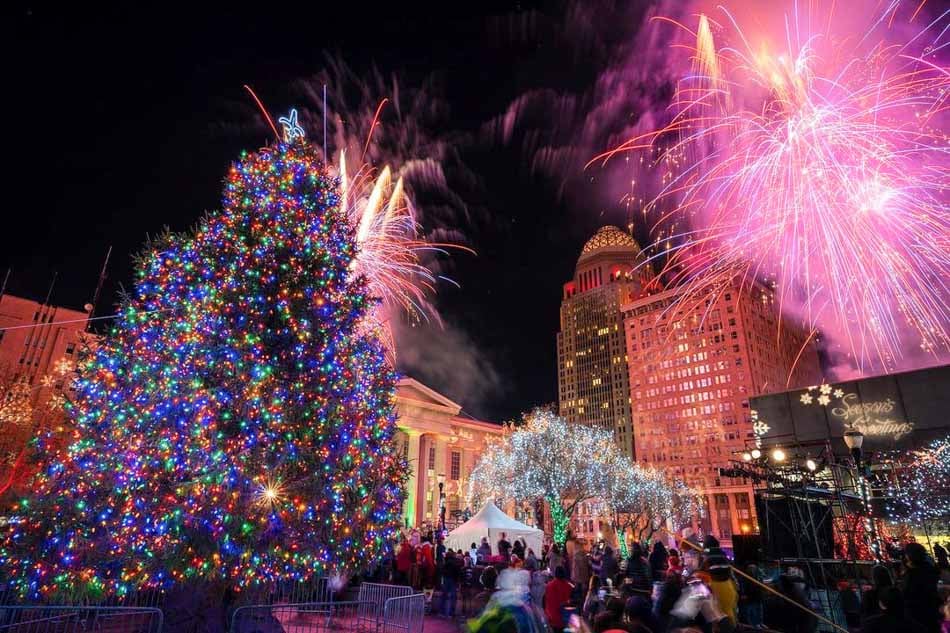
x=721 y=583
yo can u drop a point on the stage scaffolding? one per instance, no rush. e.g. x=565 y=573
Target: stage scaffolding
x=804 y=502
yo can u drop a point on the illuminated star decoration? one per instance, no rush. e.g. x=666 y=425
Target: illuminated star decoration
x=806 y=398
x=291 y=129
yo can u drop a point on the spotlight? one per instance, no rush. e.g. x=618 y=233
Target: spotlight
x=811 y=465
x=756 y=453
x=747 y=456
x=778 y=455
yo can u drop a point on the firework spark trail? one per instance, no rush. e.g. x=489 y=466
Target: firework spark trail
x=823 y=169
x=391 y=251
x=388 y=160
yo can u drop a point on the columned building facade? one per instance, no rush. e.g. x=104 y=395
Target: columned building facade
x=593 y=381
x=441 y=445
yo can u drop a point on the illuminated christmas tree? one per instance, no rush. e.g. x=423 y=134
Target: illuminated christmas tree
x=236 y=424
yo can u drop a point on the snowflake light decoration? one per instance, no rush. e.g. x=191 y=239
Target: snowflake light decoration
x=63 y=366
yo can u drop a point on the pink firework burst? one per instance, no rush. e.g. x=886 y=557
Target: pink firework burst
x=817 y=161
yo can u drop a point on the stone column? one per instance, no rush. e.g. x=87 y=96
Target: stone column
x=713 y=515
x=734 y=513
x=410 y=507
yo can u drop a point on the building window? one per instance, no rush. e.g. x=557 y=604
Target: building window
x=431 y=462
x=70 y=347
x=456 y=466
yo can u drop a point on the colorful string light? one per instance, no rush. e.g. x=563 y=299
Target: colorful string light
x=237 y=422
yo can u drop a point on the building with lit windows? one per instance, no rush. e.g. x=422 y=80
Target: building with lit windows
x=441 y=444
x=39 y=346
x=692 y=371
x=593 y=380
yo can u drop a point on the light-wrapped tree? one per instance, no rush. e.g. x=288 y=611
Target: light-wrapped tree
x=236 y=424
x=547 y=458
x=643 y=501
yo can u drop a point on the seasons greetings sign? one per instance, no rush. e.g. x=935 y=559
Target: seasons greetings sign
x=872 y=418
x=898 y=411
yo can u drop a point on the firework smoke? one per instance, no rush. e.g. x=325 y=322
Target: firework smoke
x=403 y=166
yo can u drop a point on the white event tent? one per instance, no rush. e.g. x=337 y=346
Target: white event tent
x=491 y=522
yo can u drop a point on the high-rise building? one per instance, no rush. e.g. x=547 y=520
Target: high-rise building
x=693 y=367
x=593 y=380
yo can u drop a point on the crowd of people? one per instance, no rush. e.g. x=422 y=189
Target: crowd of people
x=656 y=589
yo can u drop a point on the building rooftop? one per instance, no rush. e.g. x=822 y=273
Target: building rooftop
x=608 y=238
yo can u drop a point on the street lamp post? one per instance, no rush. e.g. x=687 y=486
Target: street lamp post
x=441 y=502
x=854 y=440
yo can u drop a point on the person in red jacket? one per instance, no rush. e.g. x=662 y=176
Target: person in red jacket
x=426 y=560
x=557 y=594
x=403 y=562
x=404 y=556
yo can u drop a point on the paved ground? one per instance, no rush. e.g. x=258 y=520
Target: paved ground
x=435 y=624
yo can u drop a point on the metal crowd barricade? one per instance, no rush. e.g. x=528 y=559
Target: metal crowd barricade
x=403 y=614
x=298 y=592
x=289 y=592
x=76 y=619
x=310 y=617
x=374 y=596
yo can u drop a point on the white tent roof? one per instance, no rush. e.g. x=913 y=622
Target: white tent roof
x=491 y=522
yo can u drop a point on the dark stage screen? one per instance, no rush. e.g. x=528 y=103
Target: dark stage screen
x=894 y=412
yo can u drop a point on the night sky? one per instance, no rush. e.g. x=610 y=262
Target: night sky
x=122 y=122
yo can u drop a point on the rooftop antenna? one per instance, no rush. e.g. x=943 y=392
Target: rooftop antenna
x=49 y=293
x=3 y=287
x=91 y=307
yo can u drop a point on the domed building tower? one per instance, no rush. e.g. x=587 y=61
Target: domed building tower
x=593 y=378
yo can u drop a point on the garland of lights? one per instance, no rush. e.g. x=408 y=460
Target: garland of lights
x=565 y=464
x=237 y=422
x=645 y=497
x=919 y=491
